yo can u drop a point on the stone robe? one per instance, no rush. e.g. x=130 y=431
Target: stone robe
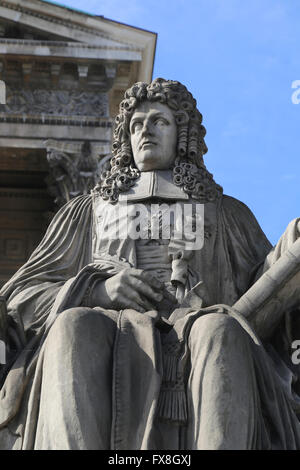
x=56 y=279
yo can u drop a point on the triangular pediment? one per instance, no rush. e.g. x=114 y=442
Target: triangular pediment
x=12 y=30
x=37 y=20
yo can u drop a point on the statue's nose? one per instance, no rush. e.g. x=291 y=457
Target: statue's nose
x=147 y=129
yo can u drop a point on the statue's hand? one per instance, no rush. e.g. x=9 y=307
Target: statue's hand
x=130 y=288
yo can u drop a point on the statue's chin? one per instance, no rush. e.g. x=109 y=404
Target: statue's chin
x=153 y=168
x=151 y=163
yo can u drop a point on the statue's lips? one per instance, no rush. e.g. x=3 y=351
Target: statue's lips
x=147 y=144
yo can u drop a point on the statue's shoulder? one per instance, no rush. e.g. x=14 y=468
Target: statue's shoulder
x=241 y=220
x=83 y=199
x=236 y=207
x=74 y=209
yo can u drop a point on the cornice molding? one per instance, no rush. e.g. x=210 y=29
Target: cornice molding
x=75 y=45
x=81 y=121
x=84 y=28
x=74 y=147
x=51 y=19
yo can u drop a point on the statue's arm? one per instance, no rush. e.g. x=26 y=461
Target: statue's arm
x=277 y=291
x=272 y=273
x=245 y=243
x=63 y=252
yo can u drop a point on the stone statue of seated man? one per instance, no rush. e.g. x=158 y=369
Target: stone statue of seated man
x=121 y=329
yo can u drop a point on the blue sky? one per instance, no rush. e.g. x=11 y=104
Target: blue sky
x=239 y=59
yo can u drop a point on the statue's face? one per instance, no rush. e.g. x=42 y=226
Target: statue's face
x=153 y=135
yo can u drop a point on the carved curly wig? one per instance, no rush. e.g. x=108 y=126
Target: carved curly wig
x=189 y=170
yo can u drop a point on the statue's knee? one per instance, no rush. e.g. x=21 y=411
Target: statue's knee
x=215 y=326
x=70 y=319
x=83 y=323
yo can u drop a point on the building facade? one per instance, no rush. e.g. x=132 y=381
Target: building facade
x=64 y=73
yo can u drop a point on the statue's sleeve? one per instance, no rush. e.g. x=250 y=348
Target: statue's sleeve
x=246 y=244
x=62 y=253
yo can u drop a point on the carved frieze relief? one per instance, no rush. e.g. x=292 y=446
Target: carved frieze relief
x=56 y=102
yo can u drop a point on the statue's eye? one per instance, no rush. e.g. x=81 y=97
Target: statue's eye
x=136 y=126
x=161 y=122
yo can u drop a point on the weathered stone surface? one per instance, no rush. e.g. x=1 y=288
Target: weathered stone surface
x=142 y=341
